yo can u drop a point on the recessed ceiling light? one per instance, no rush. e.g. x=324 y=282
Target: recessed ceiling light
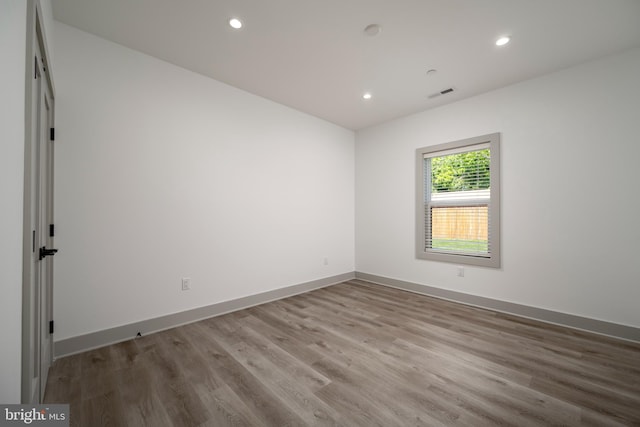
x=503 y=40
x=235 y=23
x=366 y=95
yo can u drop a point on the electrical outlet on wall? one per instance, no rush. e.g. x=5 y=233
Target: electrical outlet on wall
x=460 y=271
x=325 y=260
x=186 y=283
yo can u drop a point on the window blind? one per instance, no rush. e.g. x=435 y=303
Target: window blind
x=457 y=201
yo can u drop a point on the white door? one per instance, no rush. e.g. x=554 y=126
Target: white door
x=38 y=307
x=45 y=238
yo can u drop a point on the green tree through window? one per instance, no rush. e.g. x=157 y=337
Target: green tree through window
x=461 y=172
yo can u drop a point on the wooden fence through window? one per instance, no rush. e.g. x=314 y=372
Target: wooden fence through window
x=460 y=223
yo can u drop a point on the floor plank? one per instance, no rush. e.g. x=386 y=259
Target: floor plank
x=355 y=354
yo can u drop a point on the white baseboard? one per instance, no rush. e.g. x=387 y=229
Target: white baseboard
x=601 y=327
x=117 y=334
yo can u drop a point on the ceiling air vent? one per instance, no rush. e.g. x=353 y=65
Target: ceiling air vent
x=442 y=92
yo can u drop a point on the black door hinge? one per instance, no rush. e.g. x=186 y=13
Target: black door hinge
x=52 y=134
x=52 y=230
x=50 y=326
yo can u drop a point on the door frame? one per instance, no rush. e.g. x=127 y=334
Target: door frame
x=36 y=47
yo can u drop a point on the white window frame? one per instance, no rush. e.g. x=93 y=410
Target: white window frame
x=423 y=202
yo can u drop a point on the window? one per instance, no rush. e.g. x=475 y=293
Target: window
x=458 y=201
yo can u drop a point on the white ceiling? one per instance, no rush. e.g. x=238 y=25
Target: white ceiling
x=314 y=56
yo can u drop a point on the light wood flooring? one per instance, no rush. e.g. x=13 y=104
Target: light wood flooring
x=355 y=354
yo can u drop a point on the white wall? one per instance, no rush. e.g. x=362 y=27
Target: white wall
x=13 y=31
x=570 y=205
x=46 y=7
x=162 y=173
